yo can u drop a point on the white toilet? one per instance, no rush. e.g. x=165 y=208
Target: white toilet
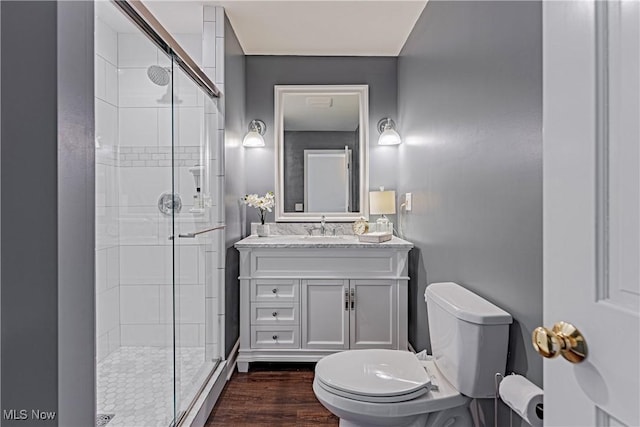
x=469 y=337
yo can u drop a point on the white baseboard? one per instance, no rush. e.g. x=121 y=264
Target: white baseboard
x=232 y=360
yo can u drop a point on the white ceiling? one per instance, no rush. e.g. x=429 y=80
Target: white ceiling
x=304 y=27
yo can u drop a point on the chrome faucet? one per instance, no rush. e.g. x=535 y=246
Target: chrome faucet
x=323 y=228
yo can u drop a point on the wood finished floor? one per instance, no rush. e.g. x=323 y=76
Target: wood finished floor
x=271 y=395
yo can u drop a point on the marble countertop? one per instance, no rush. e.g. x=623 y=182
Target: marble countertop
x=299 y=241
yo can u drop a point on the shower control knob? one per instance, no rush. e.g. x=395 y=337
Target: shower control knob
x=274 y=290
x=275 y=337
x=274 y=314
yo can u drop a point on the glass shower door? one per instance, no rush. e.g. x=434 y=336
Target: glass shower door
x=134 y=207
x=198 y=229
x=157 y=229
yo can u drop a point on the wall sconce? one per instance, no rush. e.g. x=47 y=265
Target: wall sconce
x=253 y=138
x=388 y=134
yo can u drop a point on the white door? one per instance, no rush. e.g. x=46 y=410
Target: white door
x=373 y=318
x=326 y=181
x=591 y=104
x=325 y=314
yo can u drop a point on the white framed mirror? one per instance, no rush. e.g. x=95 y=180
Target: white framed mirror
x=322 y=155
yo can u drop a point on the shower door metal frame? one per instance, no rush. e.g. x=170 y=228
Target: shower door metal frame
x=152 y=28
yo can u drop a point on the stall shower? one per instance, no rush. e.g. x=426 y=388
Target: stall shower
x=158 y=227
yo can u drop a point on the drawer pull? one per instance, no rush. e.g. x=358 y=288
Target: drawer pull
x=274 y=314
x=274 y=290
x=275 y=337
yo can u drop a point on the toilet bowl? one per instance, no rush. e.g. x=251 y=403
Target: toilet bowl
x=388 y=388
x=376 y=387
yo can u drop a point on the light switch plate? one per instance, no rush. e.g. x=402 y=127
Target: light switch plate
x=407 y=202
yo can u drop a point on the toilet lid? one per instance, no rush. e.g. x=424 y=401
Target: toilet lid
x=375 y=373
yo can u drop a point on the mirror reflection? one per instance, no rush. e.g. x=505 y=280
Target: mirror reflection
x=321 y=136
x=321 y=152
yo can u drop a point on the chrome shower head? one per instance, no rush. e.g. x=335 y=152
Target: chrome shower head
x=159 y=75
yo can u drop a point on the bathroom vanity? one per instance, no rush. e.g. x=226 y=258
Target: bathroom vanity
x=304 y=297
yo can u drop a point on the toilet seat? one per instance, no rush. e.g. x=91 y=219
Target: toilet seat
x=442 y=398
x=382 y=376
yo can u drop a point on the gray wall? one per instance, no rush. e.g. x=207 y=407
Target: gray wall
x=264 y=72
x=29 y=236
x=295 y=142
x=470 y=114
x=47 y=187
x=235 y=186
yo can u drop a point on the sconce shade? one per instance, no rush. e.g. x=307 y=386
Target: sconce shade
x=254 y=138
x=388 y=134
x=382 y=202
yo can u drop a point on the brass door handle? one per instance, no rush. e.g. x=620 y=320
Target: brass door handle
x=563 y=338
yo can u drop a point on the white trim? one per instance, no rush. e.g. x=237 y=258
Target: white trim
x=602 y=150
x=363 y=92
x=232 y=361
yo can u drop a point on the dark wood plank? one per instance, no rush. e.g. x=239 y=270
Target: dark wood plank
x=271 y=395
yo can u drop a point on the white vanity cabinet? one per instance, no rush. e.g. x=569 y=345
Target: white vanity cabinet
x=302 y=299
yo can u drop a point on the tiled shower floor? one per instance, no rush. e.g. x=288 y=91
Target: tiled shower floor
x=136 y=384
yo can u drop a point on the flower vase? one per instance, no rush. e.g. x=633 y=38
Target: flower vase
x=262 y=230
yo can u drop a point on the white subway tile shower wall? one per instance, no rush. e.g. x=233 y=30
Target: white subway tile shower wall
x=138 y=127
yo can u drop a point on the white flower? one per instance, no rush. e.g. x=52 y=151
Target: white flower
x=265 y=203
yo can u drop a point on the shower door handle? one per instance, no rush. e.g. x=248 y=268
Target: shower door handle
x=197 y=233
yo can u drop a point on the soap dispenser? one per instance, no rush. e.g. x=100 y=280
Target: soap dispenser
x=198 y=199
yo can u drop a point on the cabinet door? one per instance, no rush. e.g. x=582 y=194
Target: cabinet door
x=373 y=319
x=325 y=314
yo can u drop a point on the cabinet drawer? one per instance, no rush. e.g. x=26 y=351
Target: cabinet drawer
x=274 y=313
x=274 y=290
x=275 y=337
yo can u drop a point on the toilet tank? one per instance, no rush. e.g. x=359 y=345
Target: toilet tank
x=469 y=338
